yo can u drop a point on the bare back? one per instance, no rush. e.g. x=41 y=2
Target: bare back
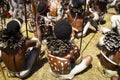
x=15 y=59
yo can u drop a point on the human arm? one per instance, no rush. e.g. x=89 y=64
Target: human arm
x=32 y=43
x=38 y=31
x=74 y=53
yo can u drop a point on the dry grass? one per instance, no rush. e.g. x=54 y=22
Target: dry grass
x=40 y=70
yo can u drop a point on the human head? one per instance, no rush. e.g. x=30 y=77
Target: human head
x=42 y=8
x=14 y=25
x=63 y=30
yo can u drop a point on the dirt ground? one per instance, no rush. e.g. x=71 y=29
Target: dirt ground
x=40 y=70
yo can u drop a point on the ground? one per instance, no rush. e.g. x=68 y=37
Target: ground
x=40 y=70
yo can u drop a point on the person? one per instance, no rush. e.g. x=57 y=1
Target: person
x=18 y=53
x=15 y=7
x=43 y=8
x=45 y=24
x=115 y=28
x=63 y=56
x=51 y=9
x=56 y=10
x=83 y=10
x=109 y=45
x=4 y=9
x=114 y=21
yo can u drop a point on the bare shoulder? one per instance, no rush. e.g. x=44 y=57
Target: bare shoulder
x=30 y=43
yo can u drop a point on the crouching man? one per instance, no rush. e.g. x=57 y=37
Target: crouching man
x=15 y=54
x=63 y=55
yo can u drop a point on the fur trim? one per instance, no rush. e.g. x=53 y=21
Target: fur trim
x=105 y=30
x=101 y=41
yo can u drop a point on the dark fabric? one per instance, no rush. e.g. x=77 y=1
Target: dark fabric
x=42 y=8
x=78 y=3
x=27 y=1
x=16 y=1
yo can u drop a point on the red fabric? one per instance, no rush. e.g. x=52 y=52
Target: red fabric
x=9 y=15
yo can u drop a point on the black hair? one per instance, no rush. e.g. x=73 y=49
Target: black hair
x=63 y=30
x=78 y=3
x=42 y=8
x=13 y=27
x=11 y=37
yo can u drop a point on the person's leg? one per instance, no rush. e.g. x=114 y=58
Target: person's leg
x=31 y=58
x=85 y=29
x=78 y=68
x=113 y=21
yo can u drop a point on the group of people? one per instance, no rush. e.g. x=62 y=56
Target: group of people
x=53 y=28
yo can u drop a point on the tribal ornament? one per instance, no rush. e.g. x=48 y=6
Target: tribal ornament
x=14 y=41
x=59 y=48
x=112 y=41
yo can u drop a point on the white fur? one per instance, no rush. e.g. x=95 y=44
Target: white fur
x=96 y=16
x=104 y=30
x=115 y=20
x=101 y=42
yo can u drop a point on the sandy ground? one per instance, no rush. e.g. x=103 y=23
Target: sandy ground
x=40 y=70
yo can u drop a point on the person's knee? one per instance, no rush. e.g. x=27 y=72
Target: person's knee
x=88 y=59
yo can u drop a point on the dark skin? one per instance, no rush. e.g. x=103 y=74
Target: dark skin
x=78 y=22
x=18 y=57
x=15 y=59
